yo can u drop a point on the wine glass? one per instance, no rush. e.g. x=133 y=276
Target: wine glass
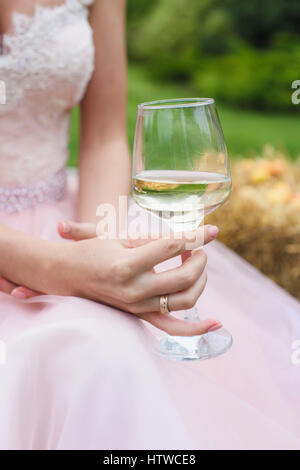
x=181 y=173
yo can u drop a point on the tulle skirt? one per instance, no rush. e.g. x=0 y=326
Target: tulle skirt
x=81 y=375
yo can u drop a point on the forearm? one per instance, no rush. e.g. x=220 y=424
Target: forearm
x=24 y=259
x=104 y=176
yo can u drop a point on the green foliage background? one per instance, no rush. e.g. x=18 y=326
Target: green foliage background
x=243 y=53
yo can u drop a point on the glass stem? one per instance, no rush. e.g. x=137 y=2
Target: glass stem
x=190 y=314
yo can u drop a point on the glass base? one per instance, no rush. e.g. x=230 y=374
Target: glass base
x=207 y=346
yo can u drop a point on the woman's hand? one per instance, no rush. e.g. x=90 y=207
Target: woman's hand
x=121 y=274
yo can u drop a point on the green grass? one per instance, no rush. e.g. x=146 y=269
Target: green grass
x=246 y=132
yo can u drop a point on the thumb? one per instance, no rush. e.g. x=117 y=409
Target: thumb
x=76 y=231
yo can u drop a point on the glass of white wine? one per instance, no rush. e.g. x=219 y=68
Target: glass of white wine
x=181 y=173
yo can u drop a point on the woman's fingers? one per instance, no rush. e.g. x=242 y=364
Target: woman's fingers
x=6 y=287
x=133 y=241
x=81 y=231
x=183 y=277
x=16 y=291
x=154 y=252
x=149 y=284
x=187 y=299
x=24 y=293
x=179 y=301
x=76 y=231
x=185 y=256
x=203 y=235
x=175 y=327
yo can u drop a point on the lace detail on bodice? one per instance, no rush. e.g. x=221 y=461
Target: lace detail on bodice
x=46 y=66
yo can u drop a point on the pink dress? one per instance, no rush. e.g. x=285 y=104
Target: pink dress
x=81 y=375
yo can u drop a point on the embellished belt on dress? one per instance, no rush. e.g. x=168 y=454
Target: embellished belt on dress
x=16 y=199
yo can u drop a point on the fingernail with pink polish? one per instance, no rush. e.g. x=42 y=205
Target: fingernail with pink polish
x=213 y=231
x=66 y=228
x=18 y=293
x=215 y=326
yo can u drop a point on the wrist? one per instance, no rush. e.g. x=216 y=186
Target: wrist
x=41 y=272
x=54 y=266
x=49 y=267
x=60 y=269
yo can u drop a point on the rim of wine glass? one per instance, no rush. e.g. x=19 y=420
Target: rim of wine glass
x=176 y=103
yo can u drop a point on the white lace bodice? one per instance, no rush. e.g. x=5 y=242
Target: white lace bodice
x=46 y=65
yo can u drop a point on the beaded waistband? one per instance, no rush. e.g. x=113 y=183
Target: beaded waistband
x=16 y=199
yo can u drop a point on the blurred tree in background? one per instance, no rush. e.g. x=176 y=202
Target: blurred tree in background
x=260 y=21
x=245 y=54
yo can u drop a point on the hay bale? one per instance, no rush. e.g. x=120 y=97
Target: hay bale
x=261 y=219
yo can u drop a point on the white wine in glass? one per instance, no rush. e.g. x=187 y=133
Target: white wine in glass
x=181 y=173
x=174 y=192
